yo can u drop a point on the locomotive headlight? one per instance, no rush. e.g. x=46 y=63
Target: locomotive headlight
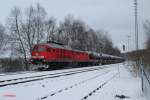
x=41 y=57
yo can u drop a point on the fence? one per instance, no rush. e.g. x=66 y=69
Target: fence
x=145 y=77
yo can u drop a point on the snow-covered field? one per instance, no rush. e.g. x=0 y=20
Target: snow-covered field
x=102 y=84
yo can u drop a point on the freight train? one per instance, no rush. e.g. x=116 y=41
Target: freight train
x=58 y=55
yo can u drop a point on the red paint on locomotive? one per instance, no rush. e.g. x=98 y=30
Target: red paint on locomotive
x=49 y=52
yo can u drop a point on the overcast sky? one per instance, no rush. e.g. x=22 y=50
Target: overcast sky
x=114 y=16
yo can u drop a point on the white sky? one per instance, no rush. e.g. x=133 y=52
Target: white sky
x=114 y=16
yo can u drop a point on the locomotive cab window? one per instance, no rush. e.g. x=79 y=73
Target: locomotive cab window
x=39 y=48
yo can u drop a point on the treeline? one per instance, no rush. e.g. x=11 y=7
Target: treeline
x=11 y=65
x=30 y=26
x=147 y=31
x=141 y=55
x=144 y=54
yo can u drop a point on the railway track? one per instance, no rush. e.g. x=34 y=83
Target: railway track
x=15 y=81
x=80 y=83
x=72 y=86
x=16 y=73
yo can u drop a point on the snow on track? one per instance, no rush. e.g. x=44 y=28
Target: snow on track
x=29 y=88
x=9 y=76
x=81 y=90
x=15 y=73
x=103 y=84
x=15 y=81
x=74 y=85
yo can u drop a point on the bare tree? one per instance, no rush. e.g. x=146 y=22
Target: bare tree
x=15 y=28
x=40 y=15
x=34 y=27
x=51 y=29
x=107 y=45
x=73 y=32
x=147 y=31
x=65 y=29
x=3 y=36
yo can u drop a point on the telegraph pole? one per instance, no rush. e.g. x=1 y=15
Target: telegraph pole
x=137 y=40
x=128 y=48
x=128 y=43
x=136 y=24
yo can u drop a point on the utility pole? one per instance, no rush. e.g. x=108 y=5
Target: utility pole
x=128 y=43
x=136 y=24
x=136 y=42
x=128 y=49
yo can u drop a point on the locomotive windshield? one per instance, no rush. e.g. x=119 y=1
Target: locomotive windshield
x=39 y=48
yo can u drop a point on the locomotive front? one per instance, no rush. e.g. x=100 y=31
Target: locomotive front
x=39 y=54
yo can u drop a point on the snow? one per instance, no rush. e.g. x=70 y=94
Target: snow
x=124 y=84
x=106 y=83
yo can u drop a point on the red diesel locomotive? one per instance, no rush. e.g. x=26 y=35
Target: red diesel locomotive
x=57 y=55
x=52 y=53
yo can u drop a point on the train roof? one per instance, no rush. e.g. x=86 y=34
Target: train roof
x=106 y=55
x=102 y=54
x=59 y=45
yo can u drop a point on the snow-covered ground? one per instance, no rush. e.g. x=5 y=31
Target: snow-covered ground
x=103 y=84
